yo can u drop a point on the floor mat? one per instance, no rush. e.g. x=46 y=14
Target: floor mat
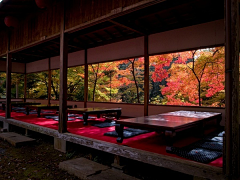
x=89 y=117
x=127 y=133
x=196 y=154
x=104 y=124
x=204 y=151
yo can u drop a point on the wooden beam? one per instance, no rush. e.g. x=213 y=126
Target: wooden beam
x=91 y=39
x=85 y=79
x=99 y=36
x=120 y=32
x=8 y=78
x=126 y=27
x=8 y=85
x=231 y=160
x=49 y=81
x=69 y=45
x=110 y=34
x=33 y=55
x=114 y=14
x=146 y=76
x=62 y=124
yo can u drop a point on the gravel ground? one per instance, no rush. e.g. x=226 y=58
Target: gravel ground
x=40 y=161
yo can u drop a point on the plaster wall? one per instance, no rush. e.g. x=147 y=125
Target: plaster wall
x=16 y=67
x=37 y=66
x=119 y=50
x=202 y=35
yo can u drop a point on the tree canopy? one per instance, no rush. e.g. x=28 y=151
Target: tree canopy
x=190 y=78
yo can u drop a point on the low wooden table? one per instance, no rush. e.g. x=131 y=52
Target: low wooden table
x=98 y=110
x=43 y=106
x=18 y=104
x=169 y=123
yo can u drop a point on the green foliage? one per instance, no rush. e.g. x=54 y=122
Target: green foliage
x=17 y=85
x=37 y=85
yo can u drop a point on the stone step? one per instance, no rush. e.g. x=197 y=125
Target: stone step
x=111 y=174
x=86 y=169
x=16 y=139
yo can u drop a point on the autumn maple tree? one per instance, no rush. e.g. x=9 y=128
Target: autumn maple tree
x=191 y=77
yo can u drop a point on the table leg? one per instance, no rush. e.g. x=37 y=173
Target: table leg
x=38 y=112
x=85 y=118
x=200 y=130
x=118 y=114
x=98 y=115
x=27 y=109
x=169 y=135
x=119 y=129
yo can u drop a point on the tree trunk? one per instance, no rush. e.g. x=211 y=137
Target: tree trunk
x=135 y=81
x=17 y=90
x=94 y=86
x=199 y=93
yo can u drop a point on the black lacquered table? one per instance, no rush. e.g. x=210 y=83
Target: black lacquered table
x=98 y=110
x=18 y=104
x=169 y=123
x=41 y=107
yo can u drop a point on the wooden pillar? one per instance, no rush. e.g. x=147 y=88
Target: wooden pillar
x=49 y=81
x=146 y=76
x=85 y=80
x=8 y=79
x=8 y=85
x=232 y=150
x=25 y=84
x=62 y=125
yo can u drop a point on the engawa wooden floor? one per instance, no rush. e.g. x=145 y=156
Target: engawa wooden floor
x=152 y=142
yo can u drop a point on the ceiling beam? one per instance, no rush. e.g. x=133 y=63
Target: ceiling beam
x=91 y=39
x=126 y=27
x=110 y=34
x=26 y=54
x=118 y=30
x=99 y=36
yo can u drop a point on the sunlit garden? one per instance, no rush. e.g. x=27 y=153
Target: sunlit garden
x=189 y=78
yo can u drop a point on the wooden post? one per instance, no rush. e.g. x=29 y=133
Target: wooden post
x=25 y=85
x=62 y=125
x=232 y=150
x=85 y=80
x=146 y=76
x=49 y=81
x=8 y=85
x=8 y=80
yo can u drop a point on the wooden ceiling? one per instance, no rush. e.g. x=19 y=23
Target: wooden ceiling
x=17 y=8
x=168 y=15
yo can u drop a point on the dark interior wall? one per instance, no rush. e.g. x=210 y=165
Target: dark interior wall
x=79 y=12
x=46 y=22
x=3 y=41
x=36 y=27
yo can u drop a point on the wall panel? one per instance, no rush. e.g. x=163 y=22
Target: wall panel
x=37 y=66
x=16 y=67
x=119 y=50
x=207 y=34
x=76 y=58
x=55 y=62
